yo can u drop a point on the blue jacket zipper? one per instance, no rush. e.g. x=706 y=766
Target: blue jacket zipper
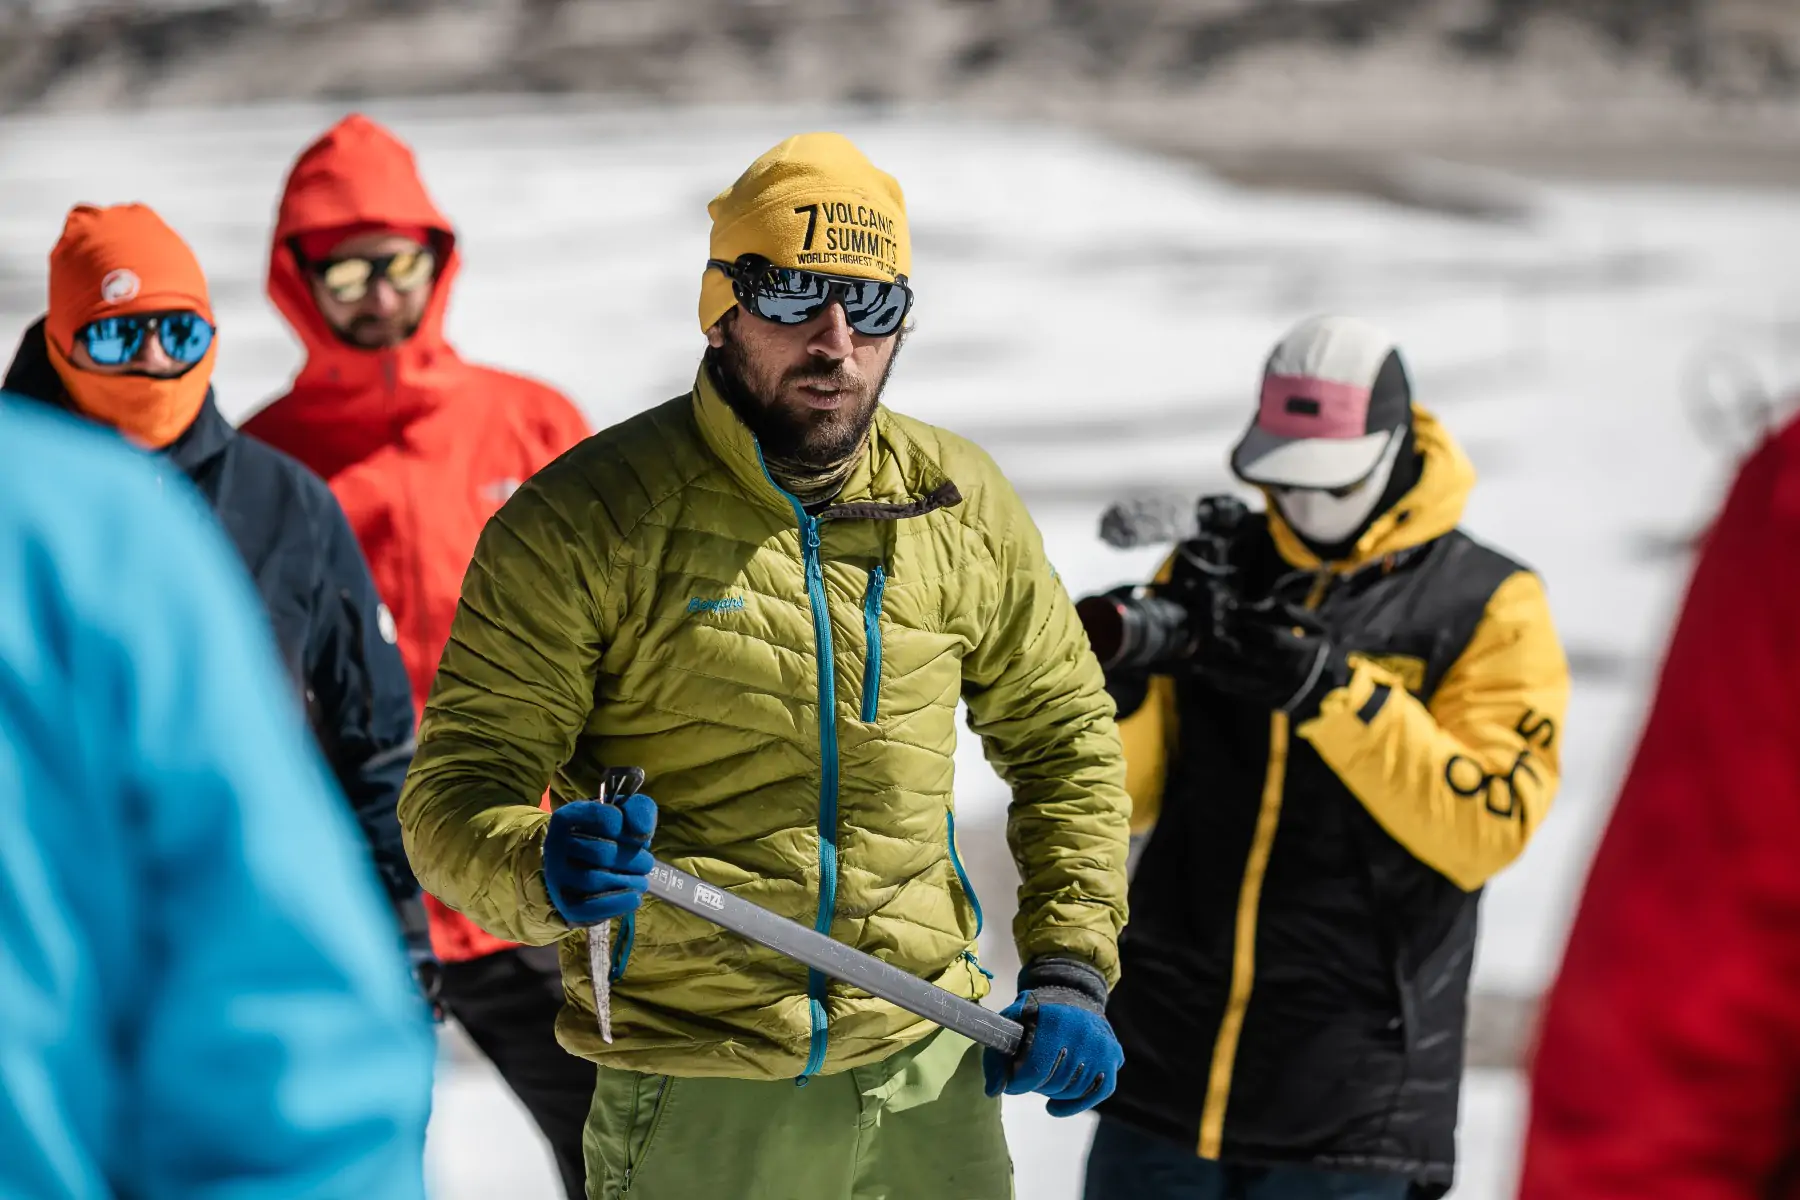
x=871 y=697
x=816 y=982
x=968 y=890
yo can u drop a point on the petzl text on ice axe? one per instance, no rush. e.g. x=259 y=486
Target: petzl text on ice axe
x=806 y=946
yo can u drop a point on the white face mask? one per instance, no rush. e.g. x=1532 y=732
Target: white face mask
x=1326 y=518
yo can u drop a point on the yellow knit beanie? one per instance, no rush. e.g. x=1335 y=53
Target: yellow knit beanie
x=815 y=202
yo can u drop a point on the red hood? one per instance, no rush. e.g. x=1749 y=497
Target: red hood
x=357 y=172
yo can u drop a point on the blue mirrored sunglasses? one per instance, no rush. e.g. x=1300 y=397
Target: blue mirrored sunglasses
x=115 y=341
x=791 y=296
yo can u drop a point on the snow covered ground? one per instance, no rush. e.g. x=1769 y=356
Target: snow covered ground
x=1097 y=319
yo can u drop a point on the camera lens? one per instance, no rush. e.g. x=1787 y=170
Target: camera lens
x=1103 y=617
x=1134 y=632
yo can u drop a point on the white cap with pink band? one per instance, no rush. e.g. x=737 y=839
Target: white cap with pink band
x=1334 y=398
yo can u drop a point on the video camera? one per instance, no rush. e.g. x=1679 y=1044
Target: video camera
x=1157 y=626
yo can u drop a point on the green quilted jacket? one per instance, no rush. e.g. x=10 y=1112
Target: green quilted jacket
x=790 y=685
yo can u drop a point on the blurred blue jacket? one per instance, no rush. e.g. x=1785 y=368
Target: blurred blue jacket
x=199 y=995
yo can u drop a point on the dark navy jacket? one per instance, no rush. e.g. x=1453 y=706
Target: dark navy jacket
x=335 y=636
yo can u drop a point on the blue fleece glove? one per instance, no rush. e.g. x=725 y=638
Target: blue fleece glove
x=1069 y=1052
x=597 y=858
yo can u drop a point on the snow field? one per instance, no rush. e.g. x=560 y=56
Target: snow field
x=1096 y=318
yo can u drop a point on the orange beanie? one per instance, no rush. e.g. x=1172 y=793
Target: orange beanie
x=113 y=262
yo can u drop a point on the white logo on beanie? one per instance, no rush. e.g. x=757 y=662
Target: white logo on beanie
x=119 y=286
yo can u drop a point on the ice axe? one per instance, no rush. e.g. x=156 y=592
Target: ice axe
x=807 y=946
x=617 y=784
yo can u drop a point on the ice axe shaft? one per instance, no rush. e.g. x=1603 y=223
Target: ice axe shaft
x=674 y=886
x=798 y=942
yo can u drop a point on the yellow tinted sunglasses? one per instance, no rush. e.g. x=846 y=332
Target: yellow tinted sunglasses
x=349 y=279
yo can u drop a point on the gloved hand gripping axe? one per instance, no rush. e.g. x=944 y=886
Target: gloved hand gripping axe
x=617 y=784
x=796 y=941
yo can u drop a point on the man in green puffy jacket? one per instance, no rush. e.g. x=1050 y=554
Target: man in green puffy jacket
x=771 y=594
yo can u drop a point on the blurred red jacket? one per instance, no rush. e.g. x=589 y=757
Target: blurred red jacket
x=1668 y=1064
x=419 y=446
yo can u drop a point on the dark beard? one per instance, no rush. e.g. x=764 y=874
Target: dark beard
x=821 y=439
x=375 y=333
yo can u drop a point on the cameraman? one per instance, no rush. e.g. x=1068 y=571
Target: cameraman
x=1356 y=724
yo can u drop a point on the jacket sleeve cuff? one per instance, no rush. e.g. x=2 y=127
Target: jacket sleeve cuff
x=1361 y=694
x=1058 y=980
x=544 y=925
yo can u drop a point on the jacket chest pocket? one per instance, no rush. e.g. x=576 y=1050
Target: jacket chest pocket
x=1383 y=634
x=872 y=601
x=893 y=662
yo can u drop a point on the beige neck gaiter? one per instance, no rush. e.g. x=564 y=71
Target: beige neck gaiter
x=812 y=485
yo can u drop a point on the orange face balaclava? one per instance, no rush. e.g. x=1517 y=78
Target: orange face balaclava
x=114 y=262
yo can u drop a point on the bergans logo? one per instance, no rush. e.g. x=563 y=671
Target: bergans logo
x=119 y=286
x=700 y=604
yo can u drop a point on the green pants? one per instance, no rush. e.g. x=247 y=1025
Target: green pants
x=914 y=1127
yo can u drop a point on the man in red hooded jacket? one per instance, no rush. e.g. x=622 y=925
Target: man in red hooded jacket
x=1668 y=1065
x=421 y=448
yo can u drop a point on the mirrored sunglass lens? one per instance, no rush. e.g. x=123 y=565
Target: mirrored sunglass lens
x=875 y=309
x=790 y=297
x=411 y=270
x=348 y=278
x=113 y=341
x=185 y=336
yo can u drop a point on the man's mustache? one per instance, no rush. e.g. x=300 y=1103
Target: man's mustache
x=829 y=371
x=379 y=331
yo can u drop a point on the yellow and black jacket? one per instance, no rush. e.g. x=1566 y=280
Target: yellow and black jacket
x=1296 y=969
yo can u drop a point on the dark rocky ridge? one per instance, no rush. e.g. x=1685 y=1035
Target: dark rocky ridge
x=1289 y=91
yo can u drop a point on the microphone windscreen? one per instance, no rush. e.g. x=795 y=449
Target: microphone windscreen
x=1148 y=521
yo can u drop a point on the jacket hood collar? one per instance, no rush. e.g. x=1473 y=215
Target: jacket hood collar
x=894 y=478
x=357 y=172
x=32 y=375
x=202 y=441
x=1431 y=509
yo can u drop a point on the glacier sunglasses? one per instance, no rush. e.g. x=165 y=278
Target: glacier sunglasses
x=349 y=279
x=116 y=341
x=790 y=296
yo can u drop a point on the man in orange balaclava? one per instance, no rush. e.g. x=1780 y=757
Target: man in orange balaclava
x=132 y=344
x=421 y=447
x=128 y=343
